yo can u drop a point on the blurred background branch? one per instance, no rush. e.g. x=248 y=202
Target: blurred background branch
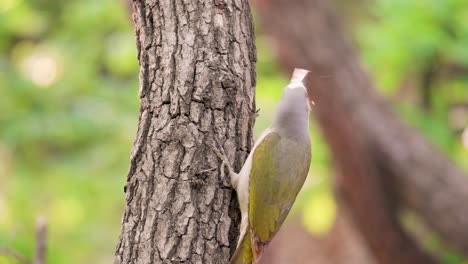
x=9 y=253
x=41 y=241
x=382 y=163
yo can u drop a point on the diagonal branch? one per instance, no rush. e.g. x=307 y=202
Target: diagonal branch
x=15 y=255
x=374 y=150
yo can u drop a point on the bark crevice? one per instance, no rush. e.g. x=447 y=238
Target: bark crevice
x=196 y=86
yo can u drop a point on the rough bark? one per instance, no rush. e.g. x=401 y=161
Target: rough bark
x=197 y=79
x=395 y=160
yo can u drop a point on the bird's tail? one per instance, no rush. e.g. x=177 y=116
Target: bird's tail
x=243 y=254
x=299 y=75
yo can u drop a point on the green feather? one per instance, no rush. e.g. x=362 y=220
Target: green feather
x=279 y=169
x=243 y=254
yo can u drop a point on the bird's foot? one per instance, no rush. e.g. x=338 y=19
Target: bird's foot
x=219 y=151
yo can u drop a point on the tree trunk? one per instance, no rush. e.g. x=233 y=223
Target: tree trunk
x=377 y=154
x=197 y=79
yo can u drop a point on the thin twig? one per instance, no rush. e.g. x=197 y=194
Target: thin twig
x=10 y=253
x=41 y=240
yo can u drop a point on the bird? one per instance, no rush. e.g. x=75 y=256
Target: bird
x=273 y=173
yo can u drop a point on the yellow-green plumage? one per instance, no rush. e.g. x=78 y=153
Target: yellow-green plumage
x=243 y=254
x=279 y=169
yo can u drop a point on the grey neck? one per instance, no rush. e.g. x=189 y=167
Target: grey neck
x=292 y=119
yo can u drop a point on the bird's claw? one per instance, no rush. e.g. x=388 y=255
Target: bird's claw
x=219 y=151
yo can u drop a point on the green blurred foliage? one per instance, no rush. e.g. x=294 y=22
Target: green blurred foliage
x=68 y=115
x=403 y=42
x=69 y=107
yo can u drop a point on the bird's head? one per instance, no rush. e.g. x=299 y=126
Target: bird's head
x=295 y=94
x=292 y=112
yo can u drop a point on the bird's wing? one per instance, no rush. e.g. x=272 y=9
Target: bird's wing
x=279 y=168
x=243 y=253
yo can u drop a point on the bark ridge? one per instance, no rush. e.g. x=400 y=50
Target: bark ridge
x=197 y=78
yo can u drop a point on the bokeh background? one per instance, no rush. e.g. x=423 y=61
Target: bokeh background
x=69 y=110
